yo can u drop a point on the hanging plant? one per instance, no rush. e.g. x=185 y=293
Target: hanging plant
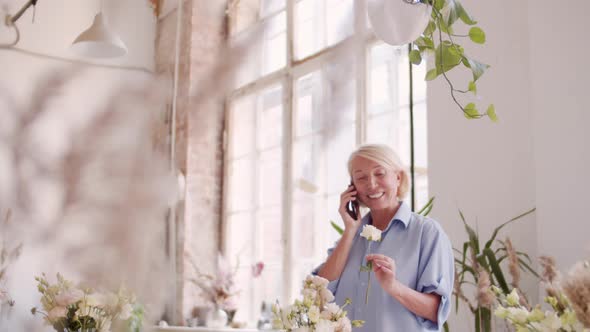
x=440 y=39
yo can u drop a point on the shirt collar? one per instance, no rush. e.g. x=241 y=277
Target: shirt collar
x=403 y=214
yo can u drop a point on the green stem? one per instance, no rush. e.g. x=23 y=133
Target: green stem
x=368 y=288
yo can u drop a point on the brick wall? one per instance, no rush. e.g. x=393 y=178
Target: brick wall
x=199 y=127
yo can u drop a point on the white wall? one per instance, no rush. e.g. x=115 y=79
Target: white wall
x=559 y=89
x=536 y=155
x=58 y=22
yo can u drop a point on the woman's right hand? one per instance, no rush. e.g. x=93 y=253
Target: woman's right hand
x=350 y=224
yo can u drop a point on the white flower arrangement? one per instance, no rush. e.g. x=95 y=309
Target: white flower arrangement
x=70 y=308
x=522 y=319
x=315 y=313
x=372 y=234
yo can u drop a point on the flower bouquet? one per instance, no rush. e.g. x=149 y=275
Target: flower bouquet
x=70 y=308
x=315 y=313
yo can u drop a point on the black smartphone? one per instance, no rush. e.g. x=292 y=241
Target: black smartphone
x=352 y=207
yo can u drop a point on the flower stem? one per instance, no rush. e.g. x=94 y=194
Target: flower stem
x=368 y=288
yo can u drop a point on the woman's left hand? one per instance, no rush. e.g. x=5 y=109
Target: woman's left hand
x=384 y=268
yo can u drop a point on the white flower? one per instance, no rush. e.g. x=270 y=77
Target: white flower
x=550 y=323
x=343 y=325
x=512 y=299
x=302 y=329
x=324 y=325
x=68 y=297
x=518 y=315
x=320 y=282
x=314 y=314
x=371 y=233
x=332 y=308
x=501 y=312
x=126 y=311
x=326 y=295
x=98 y=300
x=57 y=313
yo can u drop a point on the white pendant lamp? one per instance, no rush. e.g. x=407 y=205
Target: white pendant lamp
x=98 y=41
x=398 y=22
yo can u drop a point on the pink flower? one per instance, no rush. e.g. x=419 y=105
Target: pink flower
x=68 y=297
x=257 y=269
x=57 y=313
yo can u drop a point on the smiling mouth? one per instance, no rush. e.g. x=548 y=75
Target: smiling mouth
x=376 y=196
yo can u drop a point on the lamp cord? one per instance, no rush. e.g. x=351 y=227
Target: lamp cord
x=10 y=23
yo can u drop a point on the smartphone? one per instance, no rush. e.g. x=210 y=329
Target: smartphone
x=352 y=207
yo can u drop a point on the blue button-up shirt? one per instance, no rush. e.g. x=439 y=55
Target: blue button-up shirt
x=424 y=261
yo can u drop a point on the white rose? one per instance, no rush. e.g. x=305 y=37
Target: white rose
x=313 y=314
x=324 y=325
x=332 y=308
x=343 y=325
x=320 y=282
x=371 y=233
x=326 y=295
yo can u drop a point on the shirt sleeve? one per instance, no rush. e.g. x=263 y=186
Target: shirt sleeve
x=333 y=284
x=436 y=271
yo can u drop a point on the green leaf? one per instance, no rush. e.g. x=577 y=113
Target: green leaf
x=477 y=68
x=424 y=43
x=522 y=264
x=472 y=87
x=491 y=112
x=473 y=238
x=477 y=35
x=496 y=270
x=431 y=74
x=444 y=27
x=447 y=56
x=415 y=57
x=336 y=227
x=430 y=28
x=439 y=4
x=453 y=12
x=471 y=111
x=495 y=233
x=425 y=207
x=464 y=16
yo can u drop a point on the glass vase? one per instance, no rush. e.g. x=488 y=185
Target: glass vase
x=217 y=318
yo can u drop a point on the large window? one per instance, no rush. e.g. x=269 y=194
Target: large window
x=307 y=93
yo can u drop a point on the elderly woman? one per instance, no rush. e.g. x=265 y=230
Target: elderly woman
x=413 y=262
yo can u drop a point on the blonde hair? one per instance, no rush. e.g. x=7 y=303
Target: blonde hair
x=386 y=157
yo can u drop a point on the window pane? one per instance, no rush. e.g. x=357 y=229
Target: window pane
x=306 y=166
x=393 y=129
x=271 y=180
x=241 y=184
x=271 y=6
x=271 y=118
x=242 y=123
x=309 y=28
x=308 y=94
x=339 y=144
x=270 y=235
x=340 y=87
x=388 y=72
x=339 y=20
x=274 y=56
x=240 y=231
x=244 y=282
x=263 y=47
